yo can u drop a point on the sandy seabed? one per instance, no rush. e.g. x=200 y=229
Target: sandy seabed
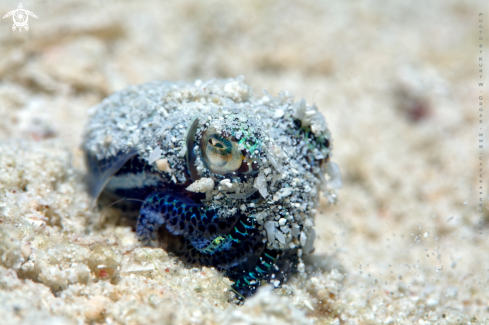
x=397 y=83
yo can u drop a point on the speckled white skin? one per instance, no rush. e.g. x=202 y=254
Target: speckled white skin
x=154 y=119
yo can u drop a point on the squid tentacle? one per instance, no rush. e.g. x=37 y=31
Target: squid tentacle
x=241 y=246
x=234 y=244
x=181 y=216
x=272 y=266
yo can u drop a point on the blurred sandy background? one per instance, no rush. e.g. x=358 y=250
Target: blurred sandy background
x=397 y=83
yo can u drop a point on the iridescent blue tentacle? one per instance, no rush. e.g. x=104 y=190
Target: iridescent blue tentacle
x=242 y=245
x=272 y=266
x=181 y=216
x=234 y=245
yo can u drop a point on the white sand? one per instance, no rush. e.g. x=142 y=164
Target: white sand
x=401 y=247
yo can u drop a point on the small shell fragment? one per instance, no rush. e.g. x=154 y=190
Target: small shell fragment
x=163 y=165
x=201 y=186
x=155 y=154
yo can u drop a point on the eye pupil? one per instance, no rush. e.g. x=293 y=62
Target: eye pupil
x=215 y=143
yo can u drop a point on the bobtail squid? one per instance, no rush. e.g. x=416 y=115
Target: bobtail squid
x=233 y=179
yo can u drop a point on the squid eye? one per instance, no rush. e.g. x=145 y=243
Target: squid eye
x=221 y=155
